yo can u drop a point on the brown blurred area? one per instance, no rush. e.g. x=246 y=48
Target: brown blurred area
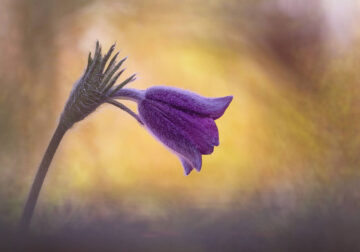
x=285 y=176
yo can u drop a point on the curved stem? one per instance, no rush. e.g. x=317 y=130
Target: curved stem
x=126 y=109
x=129 y=94
x=40 y=176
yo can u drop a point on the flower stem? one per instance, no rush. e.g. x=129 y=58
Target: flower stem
x=40 y=176
x=126 y=109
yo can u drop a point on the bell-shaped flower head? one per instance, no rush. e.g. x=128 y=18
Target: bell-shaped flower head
x=182 y=120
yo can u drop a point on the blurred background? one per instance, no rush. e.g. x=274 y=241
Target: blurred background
x=286 y=176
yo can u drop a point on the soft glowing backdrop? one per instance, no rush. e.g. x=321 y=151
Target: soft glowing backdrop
x=286 y=173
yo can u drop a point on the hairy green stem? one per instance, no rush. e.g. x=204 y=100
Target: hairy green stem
x=40 y=176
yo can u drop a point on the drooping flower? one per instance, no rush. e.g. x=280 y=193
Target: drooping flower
x=182 y=120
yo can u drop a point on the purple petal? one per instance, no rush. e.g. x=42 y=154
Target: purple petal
x=187 y=166
x=202 y=131
x=169 y=133
x=189 y=101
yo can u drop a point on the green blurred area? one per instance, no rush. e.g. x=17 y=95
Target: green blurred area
x=289 y=142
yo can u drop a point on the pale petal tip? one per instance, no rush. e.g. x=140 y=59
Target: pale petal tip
x=187 y=167
x=227 y=100
x=222 y=104
x=198 y=163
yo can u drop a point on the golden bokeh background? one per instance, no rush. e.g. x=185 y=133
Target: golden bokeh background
x=288 y=164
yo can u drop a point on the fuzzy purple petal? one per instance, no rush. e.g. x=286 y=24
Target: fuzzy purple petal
x=202 y=131
x=189 y=101
x=168 y=132
x=187 y=166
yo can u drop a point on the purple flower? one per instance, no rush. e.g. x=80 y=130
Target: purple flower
x=182 y=120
